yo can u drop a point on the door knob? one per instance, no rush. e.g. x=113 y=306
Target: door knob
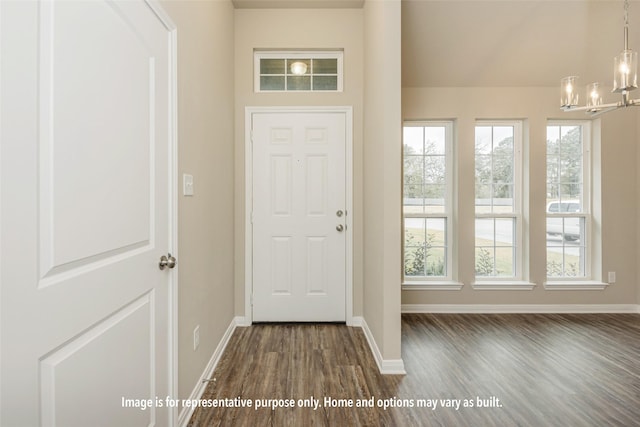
x=167 y=261
x=339 y=213
x=340 y=227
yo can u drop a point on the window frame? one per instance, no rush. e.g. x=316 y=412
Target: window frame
x=518 y=278
x=297 y=54
x=587 y=197
x=447 y=281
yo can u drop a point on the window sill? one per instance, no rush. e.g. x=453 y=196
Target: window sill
x=577 y=285
x=443 y=285
x=496 y=285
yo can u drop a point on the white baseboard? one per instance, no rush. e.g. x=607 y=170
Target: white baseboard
x=520 y=308
x=186 y=413
x=385 y=366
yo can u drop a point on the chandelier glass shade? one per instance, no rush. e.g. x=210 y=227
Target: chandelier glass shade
x=625 y=79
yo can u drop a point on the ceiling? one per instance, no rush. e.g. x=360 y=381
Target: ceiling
x=512 y=43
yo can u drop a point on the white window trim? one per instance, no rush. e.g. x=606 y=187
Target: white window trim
x=502 y=285
x=297 y=54
x=590 y=149
x=447 y=282
x=433 y=285
x=517 y=281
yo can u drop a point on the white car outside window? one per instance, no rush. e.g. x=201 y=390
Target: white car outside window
x=571 y=224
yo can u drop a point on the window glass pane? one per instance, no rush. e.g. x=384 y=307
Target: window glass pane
x=298 y=83
x=412 y=138
x=413 y=169
x=434 y=140
x=502 y=168
x=502 y=198
x=483 y=198
x=485 y=261
x=570 y=192
x=503 y=137
x=272 y=66
x=425 y=247
x=414 y=261
x=416 y=245
x=504 y=262
x=296 y=69
x=434 y=169
x=436 y=261
x=483 y=169
x=495 y=243
x=325 y=66
x=413 y=198
x=504 y=232
x=434 y=197
x=566 y=247
x=484 y=231
x=414 y=231
x=436 y=229
x=325 y=83
x=272 y=83
x=483 y=140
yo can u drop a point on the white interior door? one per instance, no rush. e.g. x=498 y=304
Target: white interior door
x=299 y=216
x=85 y=212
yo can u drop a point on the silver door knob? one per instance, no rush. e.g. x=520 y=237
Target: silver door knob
x=340 y=227
x=167 y=261
x=339 y=213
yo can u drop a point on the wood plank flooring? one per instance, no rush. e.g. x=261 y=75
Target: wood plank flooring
x=546 y=370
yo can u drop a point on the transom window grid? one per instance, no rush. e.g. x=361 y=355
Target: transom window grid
x=321 y=72
x=498 y=224
x=568 y=200
x=427 y=195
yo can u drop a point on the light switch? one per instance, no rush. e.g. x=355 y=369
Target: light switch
x=187 y=184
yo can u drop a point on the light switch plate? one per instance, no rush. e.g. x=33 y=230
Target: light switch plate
x=187 y=184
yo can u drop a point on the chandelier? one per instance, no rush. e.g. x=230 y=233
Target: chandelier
x=625 y=79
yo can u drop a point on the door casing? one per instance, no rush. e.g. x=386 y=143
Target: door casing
x=248 y=158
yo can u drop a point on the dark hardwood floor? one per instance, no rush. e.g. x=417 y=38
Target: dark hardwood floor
x=525 y=370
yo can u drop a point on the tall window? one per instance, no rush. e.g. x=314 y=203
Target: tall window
x=498 y=224
x=427 y=200
x=568 y=201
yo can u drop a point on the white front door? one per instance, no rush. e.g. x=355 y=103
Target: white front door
x=85 y=213
x=299 y=216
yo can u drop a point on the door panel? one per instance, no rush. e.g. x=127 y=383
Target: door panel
x=88 y=50
x=85 y=212
x=298 y=186
x=75 y=362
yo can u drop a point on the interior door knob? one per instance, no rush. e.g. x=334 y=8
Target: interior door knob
x=167 y=261
x=340 y=227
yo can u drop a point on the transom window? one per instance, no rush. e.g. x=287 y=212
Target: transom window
x=427 y=195
x=498 y=212
x=298 y=71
